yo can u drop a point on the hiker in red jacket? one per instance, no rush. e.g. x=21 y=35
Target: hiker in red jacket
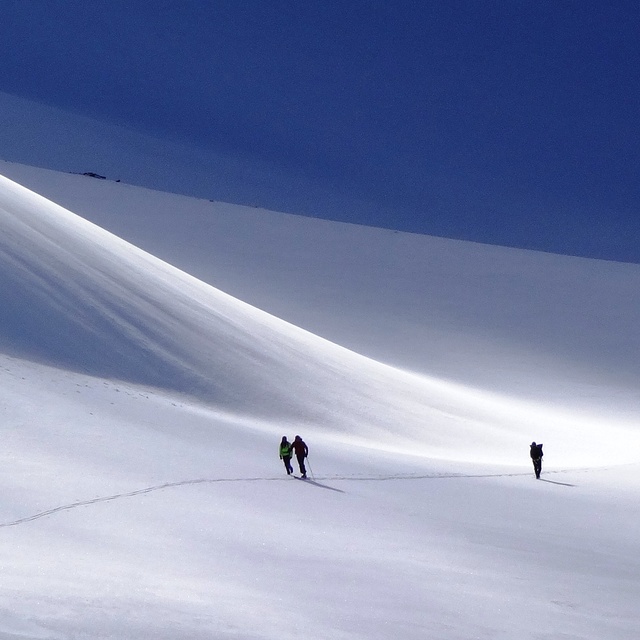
x=302 y=451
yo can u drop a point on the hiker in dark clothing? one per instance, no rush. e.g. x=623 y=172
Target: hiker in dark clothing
x=302 y=451
x=285 y=454
x=536 y=456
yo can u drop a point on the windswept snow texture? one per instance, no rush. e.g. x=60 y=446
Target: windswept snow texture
x=146 y=378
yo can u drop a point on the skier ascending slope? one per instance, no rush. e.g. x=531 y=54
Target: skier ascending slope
x=302 y=451
x=285 y=454
x=536 y=456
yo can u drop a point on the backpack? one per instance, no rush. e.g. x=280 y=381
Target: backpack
x=285 y=449
x=536 y=452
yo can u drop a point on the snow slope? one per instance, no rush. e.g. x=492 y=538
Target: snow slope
x=142 y=405
x=505 y=331
x=113 y=310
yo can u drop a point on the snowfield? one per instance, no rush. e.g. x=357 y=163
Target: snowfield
x=155 y=348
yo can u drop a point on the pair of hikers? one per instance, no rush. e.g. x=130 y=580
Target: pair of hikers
x=536 y=456
x=287 y=449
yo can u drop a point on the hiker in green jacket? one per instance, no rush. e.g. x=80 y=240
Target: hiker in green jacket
x=285 y=454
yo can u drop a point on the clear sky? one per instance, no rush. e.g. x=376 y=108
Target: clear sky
x=506 y=121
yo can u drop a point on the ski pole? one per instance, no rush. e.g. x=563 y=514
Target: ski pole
x=310 y=469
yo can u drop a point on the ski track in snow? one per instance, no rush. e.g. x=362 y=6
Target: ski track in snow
x=312 y=481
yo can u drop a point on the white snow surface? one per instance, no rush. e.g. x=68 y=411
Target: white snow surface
x=154 y=348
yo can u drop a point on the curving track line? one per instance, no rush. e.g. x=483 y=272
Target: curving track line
x=169 y=485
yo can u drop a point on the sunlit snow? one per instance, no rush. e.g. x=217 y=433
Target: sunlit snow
x=154 y=350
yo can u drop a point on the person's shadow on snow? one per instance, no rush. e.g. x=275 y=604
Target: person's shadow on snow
x=564 y=484
x=318 y=484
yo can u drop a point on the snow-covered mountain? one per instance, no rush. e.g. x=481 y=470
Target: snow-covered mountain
x=156 y=347
x=477 y=326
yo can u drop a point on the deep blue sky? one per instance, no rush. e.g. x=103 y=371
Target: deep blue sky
x=508 y=121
